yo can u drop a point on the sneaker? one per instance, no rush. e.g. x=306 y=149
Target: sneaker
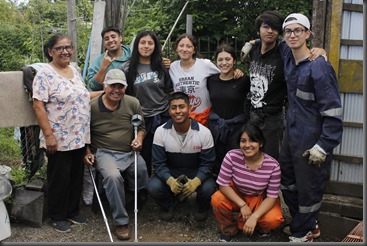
x=122 y=232
x=305 y=239
x=315 y=232
x=225 y=238
x=61 y=226
x=78 y=220
x=264 y=234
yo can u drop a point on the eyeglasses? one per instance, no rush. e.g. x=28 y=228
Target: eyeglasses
x=297 y=32
x=60 y=49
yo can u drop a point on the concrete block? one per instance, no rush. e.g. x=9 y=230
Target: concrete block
x=28 y=206
x=36 y=184
x=345 y=206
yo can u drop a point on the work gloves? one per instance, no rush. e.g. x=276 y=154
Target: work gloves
x=175 y=186
x=317 y=155
x=191 y=186
x=245 y=51
x=183 y=186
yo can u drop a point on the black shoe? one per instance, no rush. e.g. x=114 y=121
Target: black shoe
x=61 y=226
x=225 y=238
x=201 y=215
x=78 y=220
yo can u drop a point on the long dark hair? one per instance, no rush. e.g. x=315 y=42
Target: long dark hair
x=155 y=59
x=51 y=43
x=254 y=133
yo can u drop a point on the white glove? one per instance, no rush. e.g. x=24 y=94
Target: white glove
x=317 y=155
x=245 y=51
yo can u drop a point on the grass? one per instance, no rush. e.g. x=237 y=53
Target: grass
x=10 y=152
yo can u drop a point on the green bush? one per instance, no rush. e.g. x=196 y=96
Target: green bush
x=10 y=152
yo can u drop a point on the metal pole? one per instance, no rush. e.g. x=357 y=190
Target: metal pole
x=189 y=24
x=136 y=120
x=174 y=25
x=100 y=204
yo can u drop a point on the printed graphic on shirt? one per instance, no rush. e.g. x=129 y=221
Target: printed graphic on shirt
x=145 y=77
x=188 y=85
x=261 y=76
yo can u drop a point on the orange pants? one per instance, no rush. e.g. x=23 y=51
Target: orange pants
x=230 y=218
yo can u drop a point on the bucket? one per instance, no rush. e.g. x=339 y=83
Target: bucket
x=5 y=230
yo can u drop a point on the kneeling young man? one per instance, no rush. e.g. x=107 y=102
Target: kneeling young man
x=182 y=146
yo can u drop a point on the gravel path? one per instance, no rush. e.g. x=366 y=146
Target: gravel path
x=183 y=228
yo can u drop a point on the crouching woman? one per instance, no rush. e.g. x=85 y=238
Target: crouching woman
x=249 y=182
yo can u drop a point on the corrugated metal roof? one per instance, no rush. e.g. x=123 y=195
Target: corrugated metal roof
x=352 y=107
x=352 y=29
x=345 y=172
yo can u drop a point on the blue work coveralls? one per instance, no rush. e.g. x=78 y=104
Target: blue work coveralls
x=314 y=116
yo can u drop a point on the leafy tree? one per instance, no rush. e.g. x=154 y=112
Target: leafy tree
x=25 y=27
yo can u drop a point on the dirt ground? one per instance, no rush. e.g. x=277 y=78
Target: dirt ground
x=183 y=228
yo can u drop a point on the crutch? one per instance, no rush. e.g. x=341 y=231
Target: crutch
x=99 y=201
x=136 y=121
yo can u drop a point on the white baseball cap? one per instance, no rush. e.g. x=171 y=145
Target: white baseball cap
x=298 y=19
x=115 y=76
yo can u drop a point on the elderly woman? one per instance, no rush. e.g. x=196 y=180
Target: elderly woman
x=61 y=104
x=249 y=182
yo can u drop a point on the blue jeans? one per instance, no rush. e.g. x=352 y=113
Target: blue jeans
x=163 y=195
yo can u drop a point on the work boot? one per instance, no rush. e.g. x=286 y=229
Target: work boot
x=122 y=232
x=201 y=215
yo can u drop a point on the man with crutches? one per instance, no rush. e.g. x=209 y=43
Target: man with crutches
x=114 y=147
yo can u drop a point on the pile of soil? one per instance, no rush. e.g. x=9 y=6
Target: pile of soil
x=183 y=228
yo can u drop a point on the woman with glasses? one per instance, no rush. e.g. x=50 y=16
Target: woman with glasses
x=61 y=104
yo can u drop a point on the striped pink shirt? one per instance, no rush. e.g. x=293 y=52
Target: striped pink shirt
x=250 y=182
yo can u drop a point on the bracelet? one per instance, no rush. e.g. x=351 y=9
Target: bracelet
x=243 y=205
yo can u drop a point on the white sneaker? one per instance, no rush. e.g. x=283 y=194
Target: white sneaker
x=305 y=239
x=315 y=232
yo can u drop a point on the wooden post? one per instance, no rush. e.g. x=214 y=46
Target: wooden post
x=113 y=13
x=319 y=21
x=71 y=14
x=97 y=27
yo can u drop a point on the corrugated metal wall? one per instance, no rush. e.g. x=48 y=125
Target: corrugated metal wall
x=352 y=142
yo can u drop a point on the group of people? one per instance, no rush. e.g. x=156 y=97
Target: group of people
x=206 y=129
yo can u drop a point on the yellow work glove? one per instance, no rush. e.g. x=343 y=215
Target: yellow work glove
x=175 y=186
x=191 y=186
